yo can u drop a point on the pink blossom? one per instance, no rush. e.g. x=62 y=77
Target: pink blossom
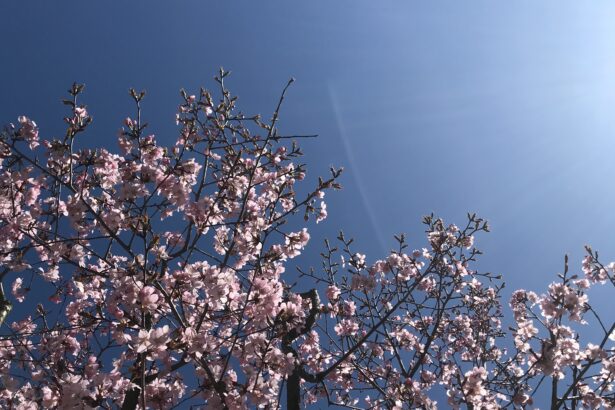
x=346 y=327
x=333 y=293
x=148 y=298
x=29 y=131
x=322 y=214
x=18 y=291
x=349 y=308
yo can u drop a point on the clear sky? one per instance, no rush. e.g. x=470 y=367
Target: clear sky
x=502 y=108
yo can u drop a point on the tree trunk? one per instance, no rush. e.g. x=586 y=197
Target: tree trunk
x=293 y=396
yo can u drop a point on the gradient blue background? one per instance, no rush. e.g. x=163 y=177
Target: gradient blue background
x=502 y=108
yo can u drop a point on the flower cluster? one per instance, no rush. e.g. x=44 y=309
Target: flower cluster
x=157 y=262
x=158 y=277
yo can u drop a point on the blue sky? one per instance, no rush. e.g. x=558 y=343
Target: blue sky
x=502 y=108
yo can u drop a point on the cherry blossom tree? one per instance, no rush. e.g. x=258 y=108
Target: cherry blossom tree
x=161 y=277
